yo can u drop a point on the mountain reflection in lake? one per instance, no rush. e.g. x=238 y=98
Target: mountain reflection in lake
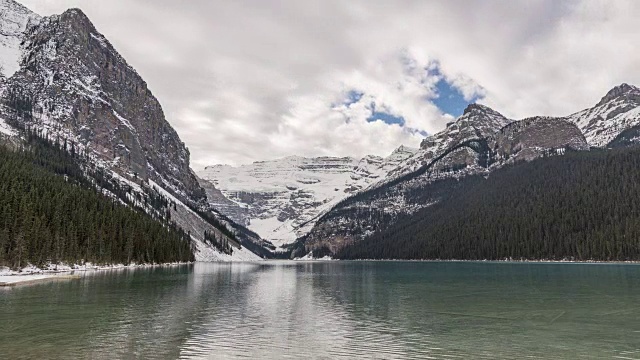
x=329 y=310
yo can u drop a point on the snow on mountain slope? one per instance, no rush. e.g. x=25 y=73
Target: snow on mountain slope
x=71 y=84
x=618 y=111
x=454 y=152
x=477 y=121
x=475 y=144
x=283 y=198
x=190 y=221
x=14 y=19
x=206 y=253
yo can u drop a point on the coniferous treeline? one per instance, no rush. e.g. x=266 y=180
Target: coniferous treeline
x=581 y=206
x=221 y=244
x=211 y=219
x=51 y=212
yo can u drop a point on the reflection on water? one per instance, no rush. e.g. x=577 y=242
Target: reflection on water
x=330 y=310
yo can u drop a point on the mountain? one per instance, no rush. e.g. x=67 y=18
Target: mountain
x=72 y=82
x=329 y=203
x=613 y=120
x=480 y=142
x=477 y=122
x=64 y=83
x=72 y=86
x=535 y=137
x=476 y=144
x=571 y=207
x=281 y=199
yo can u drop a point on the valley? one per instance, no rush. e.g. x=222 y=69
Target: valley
x=478 y=143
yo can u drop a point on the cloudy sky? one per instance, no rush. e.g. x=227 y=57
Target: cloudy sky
x=254 y=80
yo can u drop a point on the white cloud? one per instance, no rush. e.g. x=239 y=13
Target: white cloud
x=253 y=80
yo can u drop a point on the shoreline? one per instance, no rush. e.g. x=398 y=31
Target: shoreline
x=33 y=275
x=511 y=261
x=15 y=280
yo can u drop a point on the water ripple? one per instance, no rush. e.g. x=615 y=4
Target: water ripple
x=285 y=310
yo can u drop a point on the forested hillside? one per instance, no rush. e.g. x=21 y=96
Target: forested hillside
x=582 y=206
x=51 y=212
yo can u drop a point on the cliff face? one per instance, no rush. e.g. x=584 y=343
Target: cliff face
x=534 y=137
x=74 y=84
x=477 y=121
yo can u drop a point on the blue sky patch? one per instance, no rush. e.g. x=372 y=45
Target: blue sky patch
x=384 y=116
x=353 y=97
x=450 y=100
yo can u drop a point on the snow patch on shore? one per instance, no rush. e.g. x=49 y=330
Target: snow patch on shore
x=17 y=279
x=66 y=268
x=30 y=274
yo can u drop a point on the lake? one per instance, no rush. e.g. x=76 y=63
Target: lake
x=330 y=310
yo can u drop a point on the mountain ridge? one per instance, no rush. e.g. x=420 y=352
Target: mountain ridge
x=480 y=135
x=279 y=199
x=478 y=142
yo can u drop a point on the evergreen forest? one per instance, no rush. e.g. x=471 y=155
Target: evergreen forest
x=52 y=212
x=580 y=206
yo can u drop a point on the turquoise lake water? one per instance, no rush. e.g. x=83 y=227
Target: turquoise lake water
x=329 y=310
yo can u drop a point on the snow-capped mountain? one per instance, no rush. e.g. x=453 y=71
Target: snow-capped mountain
x=618 y=111
x=72 y=82
x=478 y=142
x=65 y=79
x=61 y=77
x=477 y=121
x=281 y=199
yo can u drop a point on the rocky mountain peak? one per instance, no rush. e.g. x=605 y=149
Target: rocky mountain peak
x=402 y=151
x=73 y=83
x=14 y=16
x=618 y=111
x=477 y=108
x=483 y=113
x=534 y=137
x=477 y=121
x=624 y=91
x=11 y=10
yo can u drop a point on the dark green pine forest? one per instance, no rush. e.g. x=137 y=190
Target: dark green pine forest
x=50 y=211
x=580 y=206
